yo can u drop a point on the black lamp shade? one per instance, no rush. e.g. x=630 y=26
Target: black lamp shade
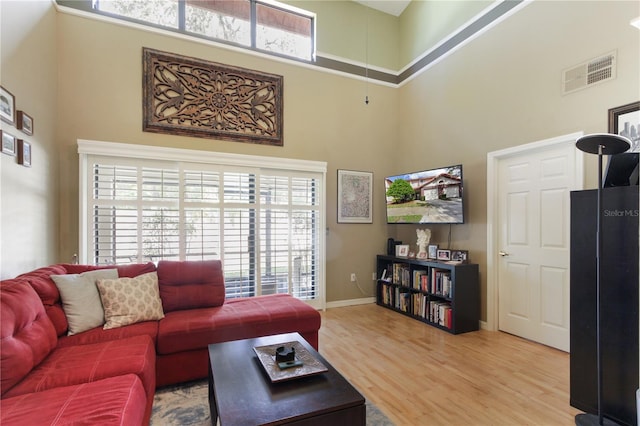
x=611 y=144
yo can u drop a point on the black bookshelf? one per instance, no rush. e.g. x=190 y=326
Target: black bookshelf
x=443 y=295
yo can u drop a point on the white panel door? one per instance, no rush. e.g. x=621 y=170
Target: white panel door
x=533 y=239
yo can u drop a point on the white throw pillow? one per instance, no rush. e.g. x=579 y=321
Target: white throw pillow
x=130 y=300
x=80 y=298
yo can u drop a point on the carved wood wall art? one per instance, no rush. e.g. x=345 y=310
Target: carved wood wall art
x=193 y=97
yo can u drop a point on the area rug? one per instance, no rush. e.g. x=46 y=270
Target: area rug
x=188 y=405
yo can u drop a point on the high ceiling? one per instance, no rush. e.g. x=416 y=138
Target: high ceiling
x=392 y=7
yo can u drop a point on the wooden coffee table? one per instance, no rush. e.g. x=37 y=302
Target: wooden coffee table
x=241 y=392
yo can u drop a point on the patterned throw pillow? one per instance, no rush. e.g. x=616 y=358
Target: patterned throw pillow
x=130 y=300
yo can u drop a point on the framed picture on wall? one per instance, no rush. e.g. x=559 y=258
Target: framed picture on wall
x=625 y=121
x=355 y=197
x=8 y=143
x=24 y=153
x=7 y=106
x=25 y=122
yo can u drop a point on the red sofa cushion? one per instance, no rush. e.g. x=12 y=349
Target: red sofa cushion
x=27 y=335
x=41 y=282
x=97 y=335
x=79 y=364
x=190 y=284
x=115 y=401
x=237 y=319
x=128 y=271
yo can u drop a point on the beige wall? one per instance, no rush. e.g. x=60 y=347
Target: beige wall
x=325 y=119
x=28 y=196
x=424 y=23
x=504 y=89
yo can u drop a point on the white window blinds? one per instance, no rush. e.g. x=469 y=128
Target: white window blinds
x=264 y=223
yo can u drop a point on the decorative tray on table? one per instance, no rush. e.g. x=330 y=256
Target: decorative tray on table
x=303 y=365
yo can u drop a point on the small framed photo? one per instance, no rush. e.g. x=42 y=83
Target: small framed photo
x=8 y=143
x=433 y=251
x=459 y=256
x=402 y=250
x=24 y=153
x=624 y=120
x=444 y=254
x=7 y=106
x=25 y=122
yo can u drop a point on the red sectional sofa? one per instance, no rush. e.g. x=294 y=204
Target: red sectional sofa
x=109 y=376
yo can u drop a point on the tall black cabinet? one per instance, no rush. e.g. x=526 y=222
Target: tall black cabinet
x=619 y=302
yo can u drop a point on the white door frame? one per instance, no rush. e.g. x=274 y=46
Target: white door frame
x=493 y=158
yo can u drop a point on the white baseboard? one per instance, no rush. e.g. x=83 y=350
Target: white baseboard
x=351 y=302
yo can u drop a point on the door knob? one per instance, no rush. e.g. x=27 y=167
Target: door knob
x=503 y=254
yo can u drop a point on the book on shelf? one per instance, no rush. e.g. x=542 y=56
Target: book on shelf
x=419 y=305
x=420 y=279
x=402 y=274
x=441 y=283
x=386 y=294
x=440 y=313
x=405 y=299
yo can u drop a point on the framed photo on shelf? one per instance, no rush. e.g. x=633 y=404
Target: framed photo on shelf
x=444 y=254
x=432 y=251
x=8 y=143
x=402 y=250
x=24 y=153
x=7 y=106
x=25 y=123
x=355 y=197
x=460 y=256
x=625 y=121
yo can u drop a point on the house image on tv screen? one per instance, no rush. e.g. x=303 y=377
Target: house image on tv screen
x=440 y=187
x=430 y=196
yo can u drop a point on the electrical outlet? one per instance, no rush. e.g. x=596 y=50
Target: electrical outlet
x=353 y=277
x=373 y=276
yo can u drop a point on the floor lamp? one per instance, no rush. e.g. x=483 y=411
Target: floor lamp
x=600 y=144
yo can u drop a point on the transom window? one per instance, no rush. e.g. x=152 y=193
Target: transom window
x=263 y=25
x=264 y=223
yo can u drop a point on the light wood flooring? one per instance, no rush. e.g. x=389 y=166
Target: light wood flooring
x=418 y=375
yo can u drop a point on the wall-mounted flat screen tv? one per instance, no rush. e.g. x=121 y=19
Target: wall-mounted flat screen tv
x=428 y=196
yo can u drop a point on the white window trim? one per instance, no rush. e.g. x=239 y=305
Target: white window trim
x=146 y=152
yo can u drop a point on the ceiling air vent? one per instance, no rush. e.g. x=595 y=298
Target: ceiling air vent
x=589 y=73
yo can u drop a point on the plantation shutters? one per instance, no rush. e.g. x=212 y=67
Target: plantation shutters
x=263 y=222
